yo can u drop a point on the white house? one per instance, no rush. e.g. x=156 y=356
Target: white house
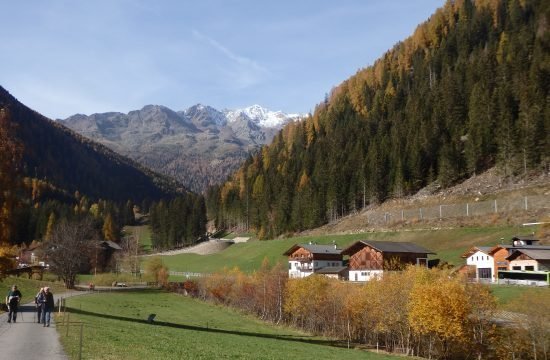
x=479 y=257
x=306 y=259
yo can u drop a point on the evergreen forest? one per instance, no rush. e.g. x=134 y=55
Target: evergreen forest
x=469 y=90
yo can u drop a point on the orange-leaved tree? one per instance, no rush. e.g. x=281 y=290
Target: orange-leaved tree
x=438 y=310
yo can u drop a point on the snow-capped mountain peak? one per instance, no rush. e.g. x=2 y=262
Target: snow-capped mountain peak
x=261 y=116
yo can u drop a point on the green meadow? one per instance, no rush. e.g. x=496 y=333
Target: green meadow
x=29 y=287
x=115 y=327
x=449 y=244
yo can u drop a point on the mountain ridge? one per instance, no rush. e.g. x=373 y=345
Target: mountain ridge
x=77 y=164
x=199 y=146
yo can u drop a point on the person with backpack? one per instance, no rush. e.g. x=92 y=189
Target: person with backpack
x=38 y=306
x=47 y=303
x=12 y=301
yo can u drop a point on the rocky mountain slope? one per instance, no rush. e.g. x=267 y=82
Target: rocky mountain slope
x=199 y=146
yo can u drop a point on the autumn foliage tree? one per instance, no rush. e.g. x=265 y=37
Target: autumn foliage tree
x=429 y=313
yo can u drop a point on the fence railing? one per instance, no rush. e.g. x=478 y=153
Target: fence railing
x=65 y=315
x=476 y=208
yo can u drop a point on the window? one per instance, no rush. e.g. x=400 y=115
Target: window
x=530 y=268
x=484 y=273
x=516 y=267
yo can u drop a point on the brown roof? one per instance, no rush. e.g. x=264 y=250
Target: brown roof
x=474 y=249
x=315 y=249
x=535 y=254
x=386 y=247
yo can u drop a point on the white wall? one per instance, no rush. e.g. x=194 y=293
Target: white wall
x=364 y=275
x=524 y=263
x=299 y=269
x=481 y=260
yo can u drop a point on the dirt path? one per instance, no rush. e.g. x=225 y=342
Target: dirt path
x=29 y=340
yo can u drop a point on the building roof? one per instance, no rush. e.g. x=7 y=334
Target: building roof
x=332 y=270
x=508 y=247
x=386 y=247
x=535 y=254
x=315 y=249
x=524 y=238
x=474 y=249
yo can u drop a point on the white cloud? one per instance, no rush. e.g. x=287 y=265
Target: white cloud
x=243 y=72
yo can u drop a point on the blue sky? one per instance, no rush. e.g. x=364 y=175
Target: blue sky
x=62 y=57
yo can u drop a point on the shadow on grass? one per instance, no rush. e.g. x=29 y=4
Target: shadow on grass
x=295 y=338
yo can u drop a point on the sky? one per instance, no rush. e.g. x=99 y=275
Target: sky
x=62 y=57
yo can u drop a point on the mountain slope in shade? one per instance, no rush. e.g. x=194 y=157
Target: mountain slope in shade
x=199 y=146
x=73 y=163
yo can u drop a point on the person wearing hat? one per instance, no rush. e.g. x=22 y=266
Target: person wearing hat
x=47 y=302
x=12 y=301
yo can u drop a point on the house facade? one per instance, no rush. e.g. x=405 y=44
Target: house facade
x=307 y=259
x=530 y=260
x=482 y=260
x=369 y=259
x=520 y=262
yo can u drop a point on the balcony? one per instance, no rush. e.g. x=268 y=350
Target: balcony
x=301 y=259
x=304 y=268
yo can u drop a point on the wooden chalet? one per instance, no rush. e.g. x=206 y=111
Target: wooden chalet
x=369 y=259
x=306 y=259
x=104 y=256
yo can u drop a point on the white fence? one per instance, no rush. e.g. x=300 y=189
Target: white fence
x=535 y=202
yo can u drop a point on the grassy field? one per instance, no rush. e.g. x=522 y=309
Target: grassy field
x=28 y=287
x=506 y=293
x=449 y=244
x=115 y=328
x=143 y=233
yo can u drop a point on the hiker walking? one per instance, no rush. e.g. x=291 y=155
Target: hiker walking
x=47 y=303
x=12 y=301
x=38 y=305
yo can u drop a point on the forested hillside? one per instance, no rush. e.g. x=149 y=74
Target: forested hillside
x=49 y=174
x=467 y=91
x=73 y=163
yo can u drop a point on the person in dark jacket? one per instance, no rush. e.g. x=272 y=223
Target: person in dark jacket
x=46 y=299
x=12 y=301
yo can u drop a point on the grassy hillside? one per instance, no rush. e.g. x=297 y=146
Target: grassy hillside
x=115 y=328
x=449 y=244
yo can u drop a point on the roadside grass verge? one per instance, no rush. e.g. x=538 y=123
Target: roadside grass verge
x=107 y=279
x=115 y=327
x=449 y=244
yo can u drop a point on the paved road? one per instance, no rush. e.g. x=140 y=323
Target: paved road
x=27 y=339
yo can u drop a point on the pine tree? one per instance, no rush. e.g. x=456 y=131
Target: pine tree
x=11 y=153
